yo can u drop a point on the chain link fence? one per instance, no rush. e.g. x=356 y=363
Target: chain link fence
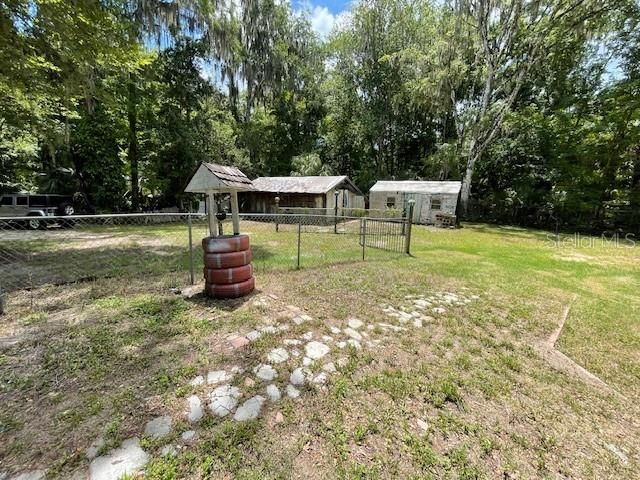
x=61 y=250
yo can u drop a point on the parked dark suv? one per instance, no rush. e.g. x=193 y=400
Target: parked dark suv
x=37 y=206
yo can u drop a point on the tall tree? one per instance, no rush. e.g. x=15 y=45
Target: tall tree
x=513 y=36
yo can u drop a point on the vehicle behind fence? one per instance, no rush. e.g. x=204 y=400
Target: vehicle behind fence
x=168 y=246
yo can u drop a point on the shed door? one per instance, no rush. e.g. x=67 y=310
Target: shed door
x=425 y=209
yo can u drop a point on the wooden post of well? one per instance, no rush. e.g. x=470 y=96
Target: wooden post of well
x=234 y=212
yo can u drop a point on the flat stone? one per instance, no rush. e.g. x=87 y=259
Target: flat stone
x=249 y=382
x=307 y=336
x=335 y=330
x=306 y=361
x=316 y=350
x=195 y=412
x=126 y=460
x=273 y=393
x=329 y=367
x=265 y=372
x=253 y=335
x=292 y=392
x=417 y=322
x=355 y=323
x=282 y=328
x=438 y=310
x=327 y=338
x=422 y=425
x=618 y=453
x=298 y=320
x=169 y=450
x=269 y=329
x=278 y=355
x=292 y=341
x=278 y=418
x=342 y=362
x=94 y=448
x=197 y=381
x=354 y=343
x=224 y=399
x=218 y=376
x=32 y=475
x=239 y=342
x=158 y=427
x=341 y=344
x=353 y=333
x=320 y=379
x=295 y=353
x=188 y=436
x=249 y=409
x=297 y=377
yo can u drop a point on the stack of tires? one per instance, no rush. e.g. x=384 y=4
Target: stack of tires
x=227 y=266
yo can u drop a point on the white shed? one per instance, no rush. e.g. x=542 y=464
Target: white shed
x=431 y=198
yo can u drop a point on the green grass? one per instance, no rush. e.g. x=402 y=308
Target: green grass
x=102 y=350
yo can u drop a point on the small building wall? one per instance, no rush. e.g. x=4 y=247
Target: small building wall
x=346 y=199
x=423 y=211
x=264 y=202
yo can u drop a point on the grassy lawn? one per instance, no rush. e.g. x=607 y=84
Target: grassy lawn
x=467 y=395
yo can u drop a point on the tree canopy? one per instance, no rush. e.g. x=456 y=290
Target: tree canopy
x=533 y=105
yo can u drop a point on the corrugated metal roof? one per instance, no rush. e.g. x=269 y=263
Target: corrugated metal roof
x=414 y=186
x=314 y=185
x=217 y=178
x=230 y=176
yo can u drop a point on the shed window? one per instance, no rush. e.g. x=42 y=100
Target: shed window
x=436 y=203
x=391 y=202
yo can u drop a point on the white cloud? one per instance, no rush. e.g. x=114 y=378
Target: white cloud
x=322 y=20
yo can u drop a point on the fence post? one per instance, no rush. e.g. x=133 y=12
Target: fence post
x=409 y=221
x=299 y=233
x=364 y=236
x=190 y=251
x=335 y=212
x=277 y=199
x=2 y=302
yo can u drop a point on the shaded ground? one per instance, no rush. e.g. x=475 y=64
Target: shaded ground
x=465 y=395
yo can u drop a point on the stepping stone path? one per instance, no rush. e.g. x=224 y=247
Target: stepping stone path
x=34 y=475
x=297 y=377
x=273 y=393
x=316 y=350
x=126 y=460
x=249 y=409
x=225 y=398
x=266 y=372
x=195 y=412
x=158 y=427
x=218 y=376
x=278 y=355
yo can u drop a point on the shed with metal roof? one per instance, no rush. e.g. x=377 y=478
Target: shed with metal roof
x=316 y=194
x=432 y=197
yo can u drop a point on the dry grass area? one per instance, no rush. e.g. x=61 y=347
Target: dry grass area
x=467 y=395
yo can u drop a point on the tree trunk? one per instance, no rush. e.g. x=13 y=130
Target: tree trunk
x=132 y=116
x=465 y=192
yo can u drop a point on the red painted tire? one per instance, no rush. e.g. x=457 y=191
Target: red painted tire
x=228 y=275
x=230 y=290
x=225 y=244
x=227 y=260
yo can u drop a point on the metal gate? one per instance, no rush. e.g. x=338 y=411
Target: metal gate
x=385 y=234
